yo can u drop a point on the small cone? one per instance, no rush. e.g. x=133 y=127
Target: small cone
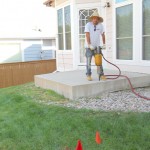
x=98 y=138
x=79 y=145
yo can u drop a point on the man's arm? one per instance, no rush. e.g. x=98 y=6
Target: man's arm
x=87 y=34
x=103 y=38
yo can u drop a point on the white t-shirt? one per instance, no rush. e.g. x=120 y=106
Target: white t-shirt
x=95 y=32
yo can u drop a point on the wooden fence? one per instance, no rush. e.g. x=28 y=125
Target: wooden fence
x=23 y=72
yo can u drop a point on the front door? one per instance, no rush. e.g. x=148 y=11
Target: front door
x=84 y=15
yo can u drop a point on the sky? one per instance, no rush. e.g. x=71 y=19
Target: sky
x=23 y=17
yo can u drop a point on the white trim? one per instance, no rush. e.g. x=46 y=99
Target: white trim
x=90 y=5
x=64 y=4
x=73 y=33
x=120 y=4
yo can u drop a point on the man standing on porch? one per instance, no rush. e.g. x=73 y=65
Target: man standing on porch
x=93 y=30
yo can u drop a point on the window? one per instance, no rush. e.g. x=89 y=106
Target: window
x=67 y=27
x=118 y=1
x=124 y=32
x=64 y=28
x=146 y=29
x=60 y=29
x=84 y=15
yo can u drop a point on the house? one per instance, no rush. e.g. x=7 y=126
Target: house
x=26 y=33
x=22 y=49
x=127 y=27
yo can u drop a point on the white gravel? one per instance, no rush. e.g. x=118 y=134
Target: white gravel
x=117 y=101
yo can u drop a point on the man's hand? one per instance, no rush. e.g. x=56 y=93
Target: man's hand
x=104 y=47
x=91 y=47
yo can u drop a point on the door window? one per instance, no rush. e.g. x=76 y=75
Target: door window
x=84 y=15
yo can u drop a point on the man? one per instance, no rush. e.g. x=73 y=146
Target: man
x=93 y=30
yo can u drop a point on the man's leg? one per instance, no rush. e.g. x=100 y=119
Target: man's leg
x=88 y=55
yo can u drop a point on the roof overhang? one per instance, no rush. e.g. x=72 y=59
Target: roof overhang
x=49 y=3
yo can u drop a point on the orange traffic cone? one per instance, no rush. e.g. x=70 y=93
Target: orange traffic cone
x=98 y=138
x=79 y=145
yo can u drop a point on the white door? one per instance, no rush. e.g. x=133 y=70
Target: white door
x=84 y=15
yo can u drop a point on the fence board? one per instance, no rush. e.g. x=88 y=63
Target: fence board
x=23 y=72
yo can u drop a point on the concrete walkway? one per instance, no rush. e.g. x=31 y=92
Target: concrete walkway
x=73 y=84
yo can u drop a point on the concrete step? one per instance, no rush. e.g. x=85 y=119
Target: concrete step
x=73 y=84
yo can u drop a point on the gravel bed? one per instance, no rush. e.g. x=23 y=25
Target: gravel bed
x=117 y=101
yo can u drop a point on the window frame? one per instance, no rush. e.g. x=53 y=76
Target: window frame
x=118 y=5
x=137 y=32
x=64 y=30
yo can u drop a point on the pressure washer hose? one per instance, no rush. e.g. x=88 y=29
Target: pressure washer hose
x=120 y=75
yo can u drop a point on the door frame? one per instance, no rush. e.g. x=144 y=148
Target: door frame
x=100 y=7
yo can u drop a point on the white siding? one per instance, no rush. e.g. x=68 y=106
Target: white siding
x=26 y=50
x=87 y=1
x=10 y=52
x=109 y=31
x=59 y=2
x=64 y=61
x=39 y=49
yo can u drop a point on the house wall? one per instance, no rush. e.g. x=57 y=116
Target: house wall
x=69 y=60
x=26 y=50
x=86 y=1
x=32 y=50
x=109 y=32
x=64 y=61
x=59 y=2
x=64 y=58
x=111 y=49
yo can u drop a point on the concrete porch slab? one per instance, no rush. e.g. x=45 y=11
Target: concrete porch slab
x=73 y=84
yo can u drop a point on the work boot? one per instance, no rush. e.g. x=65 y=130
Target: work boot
x=103 y=77
x=89 y=78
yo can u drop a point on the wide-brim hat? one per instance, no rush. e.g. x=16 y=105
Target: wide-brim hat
x=96 y=14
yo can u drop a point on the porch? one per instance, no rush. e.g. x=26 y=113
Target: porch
x=73 y=84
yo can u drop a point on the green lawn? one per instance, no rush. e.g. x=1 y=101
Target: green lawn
x=26 y=124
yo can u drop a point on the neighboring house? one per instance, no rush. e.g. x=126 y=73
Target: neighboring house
x=26 y=31
x=26 y=49
x=127 y=24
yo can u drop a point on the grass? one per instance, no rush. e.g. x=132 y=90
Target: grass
x=26 y=124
